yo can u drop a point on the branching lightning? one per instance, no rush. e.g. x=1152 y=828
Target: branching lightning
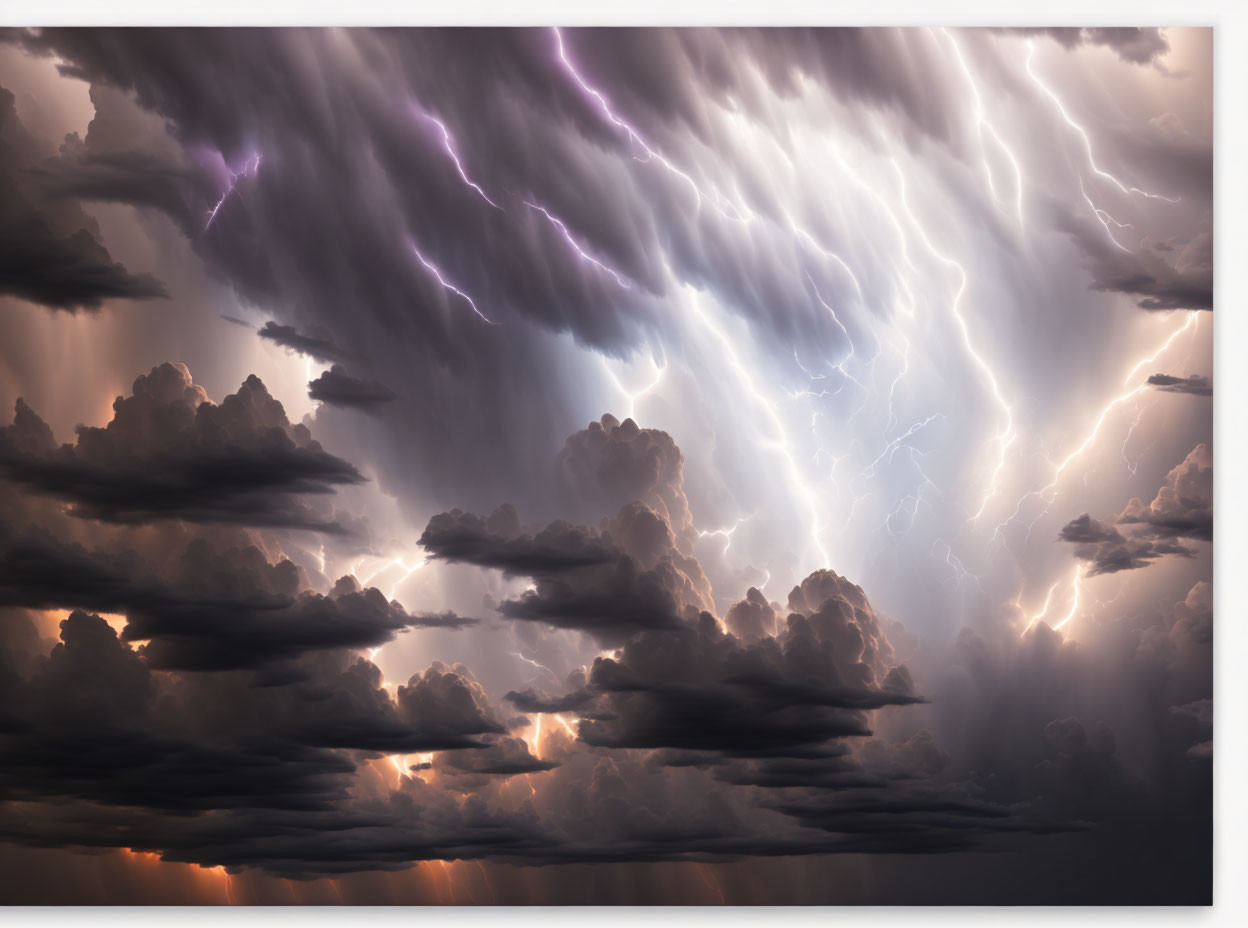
x=1007 y=435
x=1083 y=134
x=981 y=124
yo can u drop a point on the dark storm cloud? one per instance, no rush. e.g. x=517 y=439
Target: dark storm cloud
x=338 y=388
x=221 y=608
x=696 y=688
x=1194 y=384
x=319 y=347
x=1108 y=551
x=119 y=748
x=611 y=601
x=50 y=253
x=611 y=584
x=1159 y=275
x=320 y=236
x=504 y=757
x=127 y=157
x=1137 y=45
x=96 y=723
x=260 y=759
x=1182 y=509
x=170 y=453
x=497 y=542
x=529 y=701
x=372 y=165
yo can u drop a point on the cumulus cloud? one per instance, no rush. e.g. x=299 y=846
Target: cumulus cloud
x=1182 y=509
x=169 y=452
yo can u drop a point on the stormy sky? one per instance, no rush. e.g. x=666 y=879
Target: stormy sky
x=606 y=465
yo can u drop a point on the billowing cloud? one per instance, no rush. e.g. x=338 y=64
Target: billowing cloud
x=169 y=452
x=1182 y=509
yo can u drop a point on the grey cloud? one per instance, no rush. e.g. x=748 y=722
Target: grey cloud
x=318 y=346
x=170 y=453
x=1136 y=45
x=338 y=388
x=1182 y=509
x=50 y=251
x=1193 y=384
x=1109 y=551
x=497 y=542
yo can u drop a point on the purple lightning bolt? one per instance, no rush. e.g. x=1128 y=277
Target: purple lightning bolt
x=447 y=285
x=251 y=167
x=450 y=150
x=633 y=135
x=581 y=252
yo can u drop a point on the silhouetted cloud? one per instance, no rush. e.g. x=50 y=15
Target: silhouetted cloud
x=338 y=388
x=169 y=452
x=319 y=347
x=1195 y=385
x=50 y=252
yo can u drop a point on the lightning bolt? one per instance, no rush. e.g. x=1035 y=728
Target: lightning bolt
x=831 y=255
x=450 y=150
x=581 y=252
x=1007 y=435
x=1083 y=134
x=1076 y=585
x=1095 y=430
x=1044 y=609
x=633 y=397
x=634 y=136
x=1105 y=219
x=726 y=533
x=982 y=124
x=779 y=443
x=252 y=166
x=447 y=285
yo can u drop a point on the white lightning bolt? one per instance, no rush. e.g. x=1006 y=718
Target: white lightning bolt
x=780 y=442
x=1005 y=438
x=1095 y=430
x=982 y=123
x=1083 y=134
x=659 y=371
